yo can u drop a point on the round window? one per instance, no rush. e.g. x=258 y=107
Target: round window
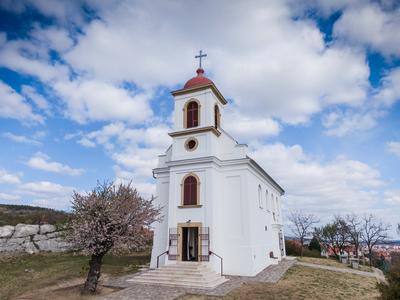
x=191 y=144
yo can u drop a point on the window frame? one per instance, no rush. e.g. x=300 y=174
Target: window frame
x=183 y=205
x=185 y=113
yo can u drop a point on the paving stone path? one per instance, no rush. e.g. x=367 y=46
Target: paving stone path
x=342 y=270
x=141 y=291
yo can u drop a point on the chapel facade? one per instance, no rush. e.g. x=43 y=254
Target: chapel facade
x=216 y=201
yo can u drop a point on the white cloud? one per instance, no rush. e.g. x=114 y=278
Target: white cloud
x=393 y=147
x=21 y=139
x=13 y=105
x=270 y=64
x=134 y=150
x=370 y=25
x=47 y=194
x=347 y=121
x=338 y=186
x=31 y=58
x=341 y=123
x=9 y=197
x=38 y=99
x=389 y=93
x=41 y=161
x=245 y=128
x=392 y=197
x=9 y=178
x=54 y=38
x=65 y=12
x=93 y=100
x=44 y=188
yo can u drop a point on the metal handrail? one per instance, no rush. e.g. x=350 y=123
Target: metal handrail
x=158 y=257
x=222 y=260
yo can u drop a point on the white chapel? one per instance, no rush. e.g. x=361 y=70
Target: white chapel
x=219 y=207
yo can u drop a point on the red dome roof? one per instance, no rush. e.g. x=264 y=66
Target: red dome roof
x=199 y=80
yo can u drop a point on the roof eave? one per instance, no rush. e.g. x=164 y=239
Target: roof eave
x=199 y=88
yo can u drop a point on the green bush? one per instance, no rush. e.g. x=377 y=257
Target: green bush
x=314 y=244
x=311 y=253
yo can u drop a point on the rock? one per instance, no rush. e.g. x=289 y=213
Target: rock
x=30 y=247
x=6 y=231
x=53 y=245
x=53 y=235
x=22 y=230
x=47 y=228
x=39 y=237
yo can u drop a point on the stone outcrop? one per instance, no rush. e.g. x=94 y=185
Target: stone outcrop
x=32 y=238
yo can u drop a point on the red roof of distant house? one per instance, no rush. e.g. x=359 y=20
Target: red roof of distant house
x=199 y=80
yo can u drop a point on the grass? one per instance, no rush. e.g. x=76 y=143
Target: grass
x=332 y=263
x=23 y=273
x=304 y=283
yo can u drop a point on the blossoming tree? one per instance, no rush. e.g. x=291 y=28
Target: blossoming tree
x=109 y=218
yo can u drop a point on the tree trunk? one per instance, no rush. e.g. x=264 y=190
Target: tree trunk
x=302 y=245
x=93 y=275
x=370 y=256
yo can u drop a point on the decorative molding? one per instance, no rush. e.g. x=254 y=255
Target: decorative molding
x=190 y=206
x=195 y=130
x=188 y=141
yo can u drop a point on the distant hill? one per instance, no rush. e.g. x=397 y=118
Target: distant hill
x=14 y=214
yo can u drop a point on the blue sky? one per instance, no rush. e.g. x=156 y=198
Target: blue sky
x=313 y=89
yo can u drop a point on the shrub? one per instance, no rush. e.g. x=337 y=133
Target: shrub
x=311 y=253
x=391 y=289
x=293 y=248
x=314 y=244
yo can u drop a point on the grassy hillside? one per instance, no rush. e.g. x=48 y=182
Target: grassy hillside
x=14 y=214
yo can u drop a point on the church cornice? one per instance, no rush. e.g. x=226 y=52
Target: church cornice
x=212 y=159
x=195 y=130
x=199 y=88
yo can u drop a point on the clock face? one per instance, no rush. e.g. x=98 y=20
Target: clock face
x=191 y=144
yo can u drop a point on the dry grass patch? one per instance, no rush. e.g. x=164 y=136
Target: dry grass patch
x=305 y=283
x=33 y=273
x=322 y=261
x=331 y=263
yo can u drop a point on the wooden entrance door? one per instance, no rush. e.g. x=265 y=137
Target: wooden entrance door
x=189 y=244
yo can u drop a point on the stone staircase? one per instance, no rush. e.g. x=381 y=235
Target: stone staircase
x=183 y=274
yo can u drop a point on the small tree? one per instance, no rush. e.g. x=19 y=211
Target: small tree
x=109 y=218
x=327 y=236
x=302 y=226
x=372 y=233
x=334 y=235
x=354 y=231
x=314 y=244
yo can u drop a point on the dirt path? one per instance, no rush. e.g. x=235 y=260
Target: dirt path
x=378 y=276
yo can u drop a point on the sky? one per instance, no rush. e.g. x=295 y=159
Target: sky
x=313 y=90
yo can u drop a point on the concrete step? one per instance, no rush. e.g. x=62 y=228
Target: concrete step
x=183 y=277
x=180 y=283
x=189 y=274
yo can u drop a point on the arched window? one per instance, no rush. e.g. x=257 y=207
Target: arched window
x=217 y=117
x=267 y=204
x=192 y=114
x=190 y=190
x=260 y=204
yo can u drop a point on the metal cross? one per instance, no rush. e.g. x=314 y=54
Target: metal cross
x=200 y=56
